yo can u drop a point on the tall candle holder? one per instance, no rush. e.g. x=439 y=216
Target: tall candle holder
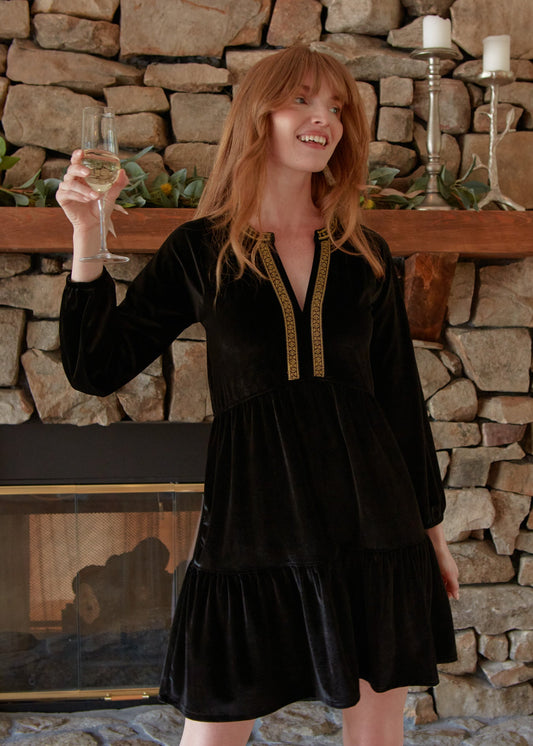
x=494 y=79
x=433 y=199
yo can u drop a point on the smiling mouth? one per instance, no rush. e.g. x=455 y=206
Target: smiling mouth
x=319 y=139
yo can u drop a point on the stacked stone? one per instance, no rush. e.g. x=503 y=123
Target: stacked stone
x=169 y=70
x=477 y=389
x=29 y=310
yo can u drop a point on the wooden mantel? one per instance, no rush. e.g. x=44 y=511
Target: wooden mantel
x=490 y=233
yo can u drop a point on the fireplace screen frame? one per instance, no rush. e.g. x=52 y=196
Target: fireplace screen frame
x=172 y=491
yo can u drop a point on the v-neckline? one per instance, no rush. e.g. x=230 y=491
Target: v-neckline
x=269 y=239
x=301 y=310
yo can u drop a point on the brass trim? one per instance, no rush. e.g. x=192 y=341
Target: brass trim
x=317 y=302
x=293 y=366
x=123 y=697
x=96 y=489
x=59 y=694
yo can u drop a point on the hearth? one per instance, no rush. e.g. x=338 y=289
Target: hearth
x=89 y=573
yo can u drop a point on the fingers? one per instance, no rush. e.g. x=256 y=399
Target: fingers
x=74 y=187
x=454 y=590
x=451 y=583
x=74 y=190
x=120 y=182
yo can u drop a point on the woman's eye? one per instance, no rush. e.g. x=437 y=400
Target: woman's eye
x=299 y=100
x=336 y=110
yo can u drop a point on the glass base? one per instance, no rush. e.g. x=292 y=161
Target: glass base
x=105 y=256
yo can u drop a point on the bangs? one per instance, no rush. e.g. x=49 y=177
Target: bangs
x=291 y=67
x=321 y=70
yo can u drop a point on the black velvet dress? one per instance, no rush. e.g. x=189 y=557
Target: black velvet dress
x=312 y=568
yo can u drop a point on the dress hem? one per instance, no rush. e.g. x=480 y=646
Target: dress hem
x=286 y=702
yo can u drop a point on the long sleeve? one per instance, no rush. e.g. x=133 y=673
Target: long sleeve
x=398 y=391
x=104 y=345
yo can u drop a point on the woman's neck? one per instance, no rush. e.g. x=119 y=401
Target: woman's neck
x=287 y=206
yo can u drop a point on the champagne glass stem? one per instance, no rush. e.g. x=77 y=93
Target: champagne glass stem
x=103 y=255
x=103 y=232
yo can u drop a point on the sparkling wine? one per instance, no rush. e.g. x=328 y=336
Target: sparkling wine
x=104 y=169
x=100 y=156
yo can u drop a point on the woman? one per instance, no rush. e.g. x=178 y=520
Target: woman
x=320 y=568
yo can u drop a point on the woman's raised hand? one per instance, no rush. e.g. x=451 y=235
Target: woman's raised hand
x=79 y=200
x=80 y=204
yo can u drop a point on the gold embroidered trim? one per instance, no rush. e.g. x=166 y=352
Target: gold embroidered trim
x=293 y=367
x=317 y=302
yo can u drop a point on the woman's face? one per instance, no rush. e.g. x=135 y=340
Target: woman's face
x=306 y=129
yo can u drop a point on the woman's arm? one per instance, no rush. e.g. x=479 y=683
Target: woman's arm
x=104 y=345
x=399 y=393
x=447 y=565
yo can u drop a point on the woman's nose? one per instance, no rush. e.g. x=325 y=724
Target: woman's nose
x=319 y=114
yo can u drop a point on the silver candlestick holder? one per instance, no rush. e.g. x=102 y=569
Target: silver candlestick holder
x=493 y=80
x=433 y=199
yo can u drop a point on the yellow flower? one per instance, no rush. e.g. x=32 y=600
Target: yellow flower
x=166 y=188
x=369 y=204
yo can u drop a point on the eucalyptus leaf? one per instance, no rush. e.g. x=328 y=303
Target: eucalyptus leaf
x=478 y=187
x=40 y=188
x=44 y=191
x=398 y=200
x=383 y=175
x=134 y=171
x=160 y=179
x=144 y=190
x=179 y=178
x=52 y=185
x=136 y=201
x=474 y=163
x=465 y=198
x=444 y=190
x=6 y=194
x=194 y=189
x=134 y=184
x=420 y=183
x=136 y=156
x=8 y=161
x=21 y=200
x=446 y=177
x=415 y=201
x=30 y=181
x=162 y=199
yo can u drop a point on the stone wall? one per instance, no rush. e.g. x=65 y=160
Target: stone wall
x=169 y=68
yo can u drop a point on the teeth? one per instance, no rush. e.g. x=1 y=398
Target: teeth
x=313 y=138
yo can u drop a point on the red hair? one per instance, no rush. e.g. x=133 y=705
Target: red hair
x=234 y=190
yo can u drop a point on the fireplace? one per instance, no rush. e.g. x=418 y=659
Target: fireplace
x=90 y=568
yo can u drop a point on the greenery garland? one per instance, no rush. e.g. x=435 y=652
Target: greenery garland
x=181 y=190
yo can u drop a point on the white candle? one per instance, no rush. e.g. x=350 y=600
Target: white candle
x=437 y=32
x=497 y=53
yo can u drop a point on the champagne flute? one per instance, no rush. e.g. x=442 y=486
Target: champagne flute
x=100 y=155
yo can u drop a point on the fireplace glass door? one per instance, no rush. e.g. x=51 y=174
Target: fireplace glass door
x=89 y=578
